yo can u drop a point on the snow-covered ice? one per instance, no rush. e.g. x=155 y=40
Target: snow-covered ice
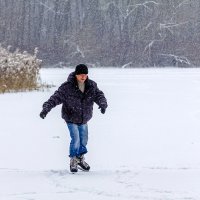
x=145 y=147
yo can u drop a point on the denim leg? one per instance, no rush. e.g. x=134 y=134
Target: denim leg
x=75 y=140
x=83 y=134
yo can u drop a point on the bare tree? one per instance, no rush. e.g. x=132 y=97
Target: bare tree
x=108 y=32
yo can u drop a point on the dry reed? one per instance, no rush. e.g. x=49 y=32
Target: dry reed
x=19 y=71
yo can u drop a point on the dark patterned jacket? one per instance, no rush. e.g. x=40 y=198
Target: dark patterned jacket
x=77 y=107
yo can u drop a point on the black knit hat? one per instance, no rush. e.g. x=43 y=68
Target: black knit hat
x=81 y=69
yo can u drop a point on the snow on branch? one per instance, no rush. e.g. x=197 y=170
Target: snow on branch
x=145 y=5
x=78 y=50
x=178 y=59
x=49 y=8
x=171 y=25
x=145 y=28
x=131 y=8
x=149 y=46
x=183 y=3
x=176 y=9
x=127 y=65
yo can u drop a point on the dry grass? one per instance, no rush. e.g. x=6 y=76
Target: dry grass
x=19 y=71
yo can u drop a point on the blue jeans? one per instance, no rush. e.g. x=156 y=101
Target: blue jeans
x=79 y=138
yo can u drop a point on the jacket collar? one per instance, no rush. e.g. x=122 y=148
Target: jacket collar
x=72 y=79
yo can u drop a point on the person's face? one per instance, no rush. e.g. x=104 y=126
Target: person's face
x=81 y=77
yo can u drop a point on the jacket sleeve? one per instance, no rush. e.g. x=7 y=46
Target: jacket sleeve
x=100 y=99
x=56 y=99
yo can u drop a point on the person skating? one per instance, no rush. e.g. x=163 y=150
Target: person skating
x=77 y=96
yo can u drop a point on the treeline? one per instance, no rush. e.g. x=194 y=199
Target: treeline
x=105 y=32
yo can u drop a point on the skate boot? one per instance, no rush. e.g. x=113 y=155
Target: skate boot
x=73 y=164
x=82 y=164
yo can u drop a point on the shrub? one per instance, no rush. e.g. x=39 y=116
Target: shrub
x=18 y=71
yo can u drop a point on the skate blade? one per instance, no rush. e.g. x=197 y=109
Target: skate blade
x=73 y=172
x=83 y=169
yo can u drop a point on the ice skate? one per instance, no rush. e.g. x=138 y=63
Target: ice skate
x=82 y=164
x=73 y=164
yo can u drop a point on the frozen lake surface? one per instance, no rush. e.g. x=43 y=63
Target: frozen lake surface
x=146 y=146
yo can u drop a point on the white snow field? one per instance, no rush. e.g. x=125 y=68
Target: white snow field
x=146 y=146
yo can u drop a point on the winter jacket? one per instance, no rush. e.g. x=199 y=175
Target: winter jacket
x=77 y=107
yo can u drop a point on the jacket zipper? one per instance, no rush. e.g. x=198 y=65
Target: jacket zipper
x=82 y=110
